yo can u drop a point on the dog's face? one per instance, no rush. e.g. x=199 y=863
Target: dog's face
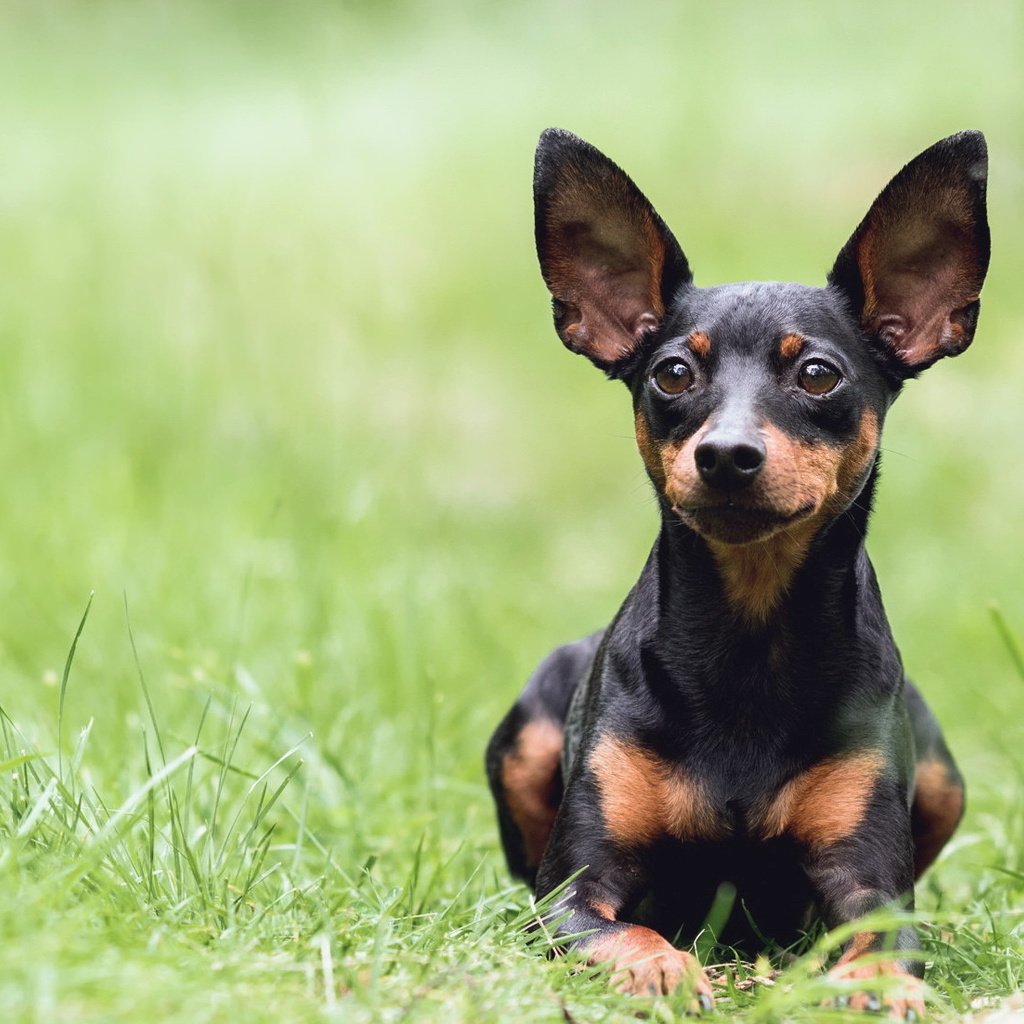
x=758 y=406
x=758 y=410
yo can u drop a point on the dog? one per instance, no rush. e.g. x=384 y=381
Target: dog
x=745 y=719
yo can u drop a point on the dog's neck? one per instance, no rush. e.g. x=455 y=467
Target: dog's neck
x=757 y=588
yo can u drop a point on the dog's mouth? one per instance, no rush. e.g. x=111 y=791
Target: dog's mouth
x=733 y=523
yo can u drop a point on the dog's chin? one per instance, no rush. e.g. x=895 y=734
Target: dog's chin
x=739 y=524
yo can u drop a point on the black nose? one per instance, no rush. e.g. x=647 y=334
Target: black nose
x=727 y=463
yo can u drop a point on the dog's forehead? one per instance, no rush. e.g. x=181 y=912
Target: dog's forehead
x=749 y=315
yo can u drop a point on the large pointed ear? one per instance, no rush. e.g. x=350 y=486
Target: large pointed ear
x=915 y=266
x=609 y=261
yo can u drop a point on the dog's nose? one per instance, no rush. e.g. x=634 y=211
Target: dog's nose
x=729 y=463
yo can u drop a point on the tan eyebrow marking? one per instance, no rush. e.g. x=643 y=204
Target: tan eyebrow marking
x=699 y=343
x=791 y=346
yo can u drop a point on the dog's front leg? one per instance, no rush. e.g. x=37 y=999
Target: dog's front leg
x=639 y=959
x=868 y=870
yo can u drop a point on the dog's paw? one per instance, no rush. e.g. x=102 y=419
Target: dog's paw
x=901 y=995
x=641 y=962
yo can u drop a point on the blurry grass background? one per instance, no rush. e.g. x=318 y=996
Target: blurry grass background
x=279 y=377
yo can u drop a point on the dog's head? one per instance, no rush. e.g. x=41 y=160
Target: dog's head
x=758 y=406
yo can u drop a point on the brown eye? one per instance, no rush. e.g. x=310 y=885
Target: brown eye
x=817 y=378
x=673 y=377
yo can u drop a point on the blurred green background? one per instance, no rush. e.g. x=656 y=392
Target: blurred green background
x=279 y=371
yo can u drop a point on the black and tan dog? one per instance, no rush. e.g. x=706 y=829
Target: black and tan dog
x=745 y=717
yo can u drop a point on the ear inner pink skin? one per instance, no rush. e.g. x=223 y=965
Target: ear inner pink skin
x=920 y=255
x=606 y=256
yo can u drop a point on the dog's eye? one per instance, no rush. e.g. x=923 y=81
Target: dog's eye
x=818 y=378
x=673 y=377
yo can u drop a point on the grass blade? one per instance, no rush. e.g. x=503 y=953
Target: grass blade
x=64 y=685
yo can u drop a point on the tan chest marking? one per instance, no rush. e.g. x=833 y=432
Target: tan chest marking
x=826 y=803
x=644 y=798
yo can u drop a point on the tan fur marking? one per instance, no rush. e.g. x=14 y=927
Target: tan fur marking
x=897 y=1000
x=797 y=475
x=865 y=257
x=902 y=993
x=791 y=346
x=649 y=451
x=644 y=798
x=856 y=461
x=678 y=467
x=655 y=265
x=528 y=775
x=641 y=962
x=826 y=803
x=757 y=575
x=699 y=343
x=861 y=944
x=937 y=809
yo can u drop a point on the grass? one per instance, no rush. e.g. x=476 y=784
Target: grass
x=283 y=397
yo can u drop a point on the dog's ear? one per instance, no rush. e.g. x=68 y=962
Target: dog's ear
x=915 y=266
x=609 y=261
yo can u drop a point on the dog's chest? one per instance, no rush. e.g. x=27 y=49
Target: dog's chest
x=644 y=798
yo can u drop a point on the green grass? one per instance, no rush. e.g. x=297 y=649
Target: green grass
x=282 y=395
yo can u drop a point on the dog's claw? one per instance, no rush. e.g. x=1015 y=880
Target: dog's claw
x=702 y=1004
